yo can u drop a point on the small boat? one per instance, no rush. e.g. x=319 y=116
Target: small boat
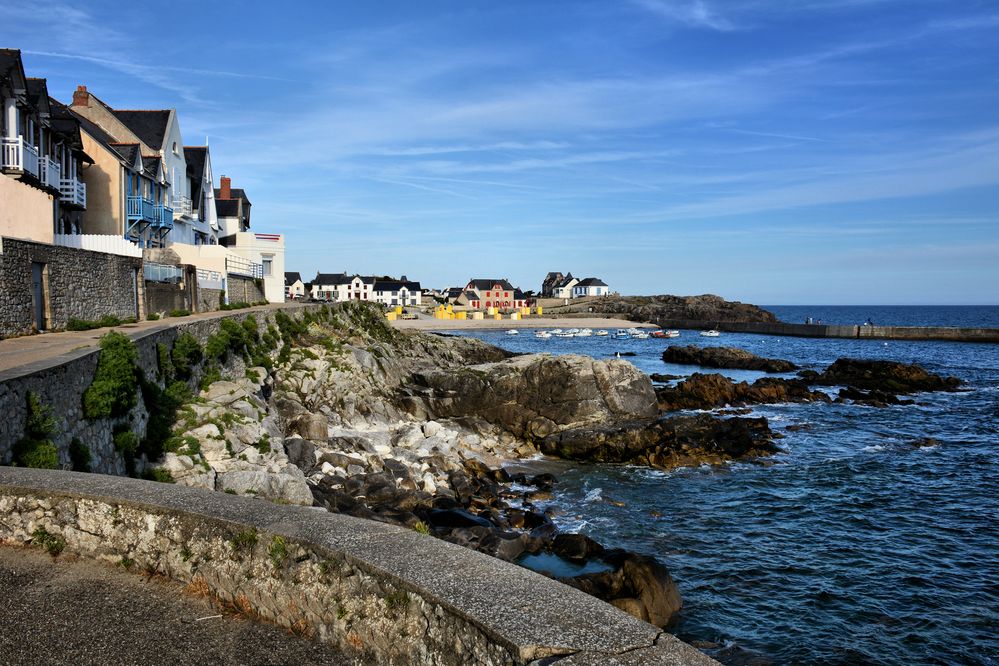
x=584 y=333
x=556 y=331
x=622 y=333
x=513 y=331
x=602 y=333
x=672 y=333
x=659 y=334
x=710 y=334
x=542 y=334
x=640 y=336
x=565 y=334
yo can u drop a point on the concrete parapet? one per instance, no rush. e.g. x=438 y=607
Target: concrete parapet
x=372 y=589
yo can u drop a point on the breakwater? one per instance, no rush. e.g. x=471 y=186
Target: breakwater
x=859 y=332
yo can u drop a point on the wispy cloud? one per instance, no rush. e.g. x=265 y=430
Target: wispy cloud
x=695 y=14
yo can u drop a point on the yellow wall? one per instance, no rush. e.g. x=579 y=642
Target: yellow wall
x=105 y=191
x=25 y=212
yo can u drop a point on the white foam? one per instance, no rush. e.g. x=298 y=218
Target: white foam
x=593 y=495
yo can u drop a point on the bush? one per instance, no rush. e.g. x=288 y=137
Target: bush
x=79 y=456
x=35 y=448
x=153 y=316
x=158 y=474
x=106 y=321
x=186 y=354
x=180 y=313
x=113 y=391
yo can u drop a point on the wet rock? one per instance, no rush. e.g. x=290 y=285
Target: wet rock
x=871 y=398
x=887 y=376
x=667 y=443
x=662 y=379
x=724 y=357
x=707 y=391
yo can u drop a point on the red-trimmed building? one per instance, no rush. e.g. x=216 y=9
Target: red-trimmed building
x=495 y=293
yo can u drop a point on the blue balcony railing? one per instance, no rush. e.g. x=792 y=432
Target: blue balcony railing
x=164 y=217
x=139 y=209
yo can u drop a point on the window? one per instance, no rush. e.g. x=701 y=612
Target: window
x=175 y=148
x=267 y=265
x=506 y=294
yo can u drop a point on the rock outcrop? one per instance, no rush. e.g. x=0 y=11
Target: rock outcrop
x=663 y=310
x=708 y=391
x=887 y=376
x=533 y=397
x=724 y=357
x=666 y=443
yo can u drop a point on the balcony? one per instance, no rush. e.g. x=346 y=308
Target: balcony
x=72 y=191
x=19 y=156
x=164 y=217
x=51 y=172
x=140 y=209
x=182 y=206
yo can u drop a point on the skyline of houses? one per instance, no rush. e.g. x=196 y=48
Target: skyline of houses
x=90 y=176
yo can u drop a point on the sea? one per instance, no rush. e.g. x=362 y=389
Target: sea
x=872 y=537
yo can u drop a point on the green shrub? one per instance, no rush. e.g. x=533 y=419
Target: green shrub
x=180 y=312
x=278 y=551
x=79 y=456
x=35 y=448
x=157 y=474
x=245 y=540
x=114 y=389
x=211 y=375
x=106 y=321
x=186 y=354
x=126 y=442
x=153 y=316
x=53 y=543
x=164 y=363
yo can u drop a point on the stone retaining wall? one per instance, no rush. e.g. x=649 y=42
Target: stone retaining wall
x=60 y=383
x=374 y=590
x=77 y=283
x=244 y=290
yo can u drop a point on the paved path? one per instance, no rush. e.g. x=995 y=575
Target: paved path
x=63 y=611
x=31 y=349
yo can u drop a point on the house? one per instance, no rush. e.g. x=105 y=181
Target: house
x=496 y=293
x=563 y=289
x=40 y=159
x=204 y=214
x=294 y=288
x=590 y=286
x=326 y=286
x=549 y=283
x=233 y=208
x=397 y=292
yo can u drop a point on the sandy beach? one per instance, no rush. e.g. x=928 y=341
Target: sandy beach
x=504 y=324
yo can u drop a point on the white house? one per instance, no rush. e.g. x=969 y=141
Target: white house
x=564 y=288
x=590 y=286
x=294 y=288
x=397 y=292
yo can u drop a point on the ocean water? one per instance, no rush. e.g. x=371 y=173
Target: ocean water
x=960 y=316
x=856 y=544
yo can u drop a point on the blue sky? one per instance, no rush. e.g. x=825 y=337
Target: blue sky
x=771 y=151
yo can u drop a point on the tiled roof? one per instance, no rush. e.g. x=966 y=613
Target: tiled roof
x=396 y=285
x=38 y=94
x=148 y=125
x=11 y=66
x=591 y=282
x=331 y=279
x=151 y=166
x=292 y=278
x=481 y=285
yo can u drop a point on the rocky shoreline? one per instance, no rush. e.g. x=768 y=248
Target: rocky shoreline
x=417 y=429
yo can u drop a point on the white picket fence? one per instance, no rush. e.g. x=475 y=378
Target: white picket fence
x=99 y=243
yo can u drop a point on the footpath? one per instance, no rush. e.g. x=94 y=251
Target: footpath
x=33 y=352
x=67 y=610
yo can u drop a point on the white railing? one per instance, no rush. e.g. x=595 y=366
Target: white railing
x=182 y=206
x=73 y=191
x=99 y=243
x=51 y=172
x=17 y=154
x=210 y=279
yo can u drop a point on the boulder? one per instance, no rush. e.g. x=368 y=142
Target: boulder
x=701 y=391
x=887 y=376
x=532 y=395
x=310 y=426
x=301 y=453
x=288 y=486
x=724 y=357
x=668 y=443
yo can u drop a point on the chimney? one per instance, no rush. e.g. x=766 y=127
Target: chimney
x=81 y=97
x=225 y=188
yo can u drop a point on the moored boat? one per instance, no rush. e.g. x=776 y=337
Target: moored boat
x=602 y=333
x=513 y=331
x=710 y=334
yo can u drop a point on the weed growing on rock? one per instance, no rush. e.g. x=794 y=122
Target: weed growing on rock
x=158 y=474
x=245 y=540
x=126 y=563
x=422 y=528
x=264 y=445
x=278 y=551
x=397 y=600
x=113 y=391
x=35 y=448
x=53 y=543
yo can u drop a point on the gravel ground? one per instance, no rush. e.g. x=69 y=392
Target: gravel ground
x=76 y=611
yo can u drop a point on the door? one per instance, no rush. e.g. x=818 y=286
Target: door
x=38 y=294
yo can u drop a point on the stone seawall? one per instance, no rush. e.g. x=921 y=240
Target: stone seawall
x=61 y=381
x=245 y=290
x=75 y=284
x=826 y=330
x=374 y=590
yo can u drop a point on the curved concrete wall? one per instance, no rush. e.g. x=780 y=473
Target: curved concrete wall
x=374 y=590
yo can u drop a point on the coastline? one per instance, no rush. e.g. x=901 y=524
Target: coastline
x=505 y=324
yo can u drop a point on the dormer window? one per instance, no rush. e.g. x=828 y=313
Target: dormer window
x=175 y=148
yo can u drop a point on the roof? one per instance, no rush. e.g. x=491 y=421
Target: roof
x=128 y=151
x=479 y=285
x=566 y=281
x=195 y=158
x=99 y=135
x=65 y=123
x=38 y=94
x=149 y=125
x=11 y=66
x=471 y=295
x=331 y=278
x=292 y=278
x=455 y=292
x=396 y=285
x=591 y=282
x=151 y=165
x=239 y=193
x=518 y=295
x=226 y=207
